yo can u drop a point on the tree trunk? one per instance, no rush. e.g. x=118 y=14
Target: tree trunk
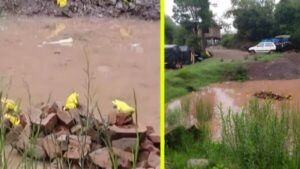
x=203 y=40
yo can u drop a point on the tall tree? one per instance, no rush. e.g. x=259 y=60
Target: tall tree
x=195 y=16
x=254 y=19
x=170 y=29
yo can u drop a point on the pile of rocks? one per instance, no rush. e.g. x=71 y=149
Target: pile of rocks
x=271 y=95
x=80 y=140
x=143 y=9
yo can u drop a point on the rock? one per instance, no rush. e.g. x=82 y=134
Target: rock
x=142 y=164
x=76 y=152
x=123 y=154
x=76 y=129
x=150 y=130
x=123 y=119
x=75 y=113
x=35 y=116
x=112 y=118
x=153 y=160
x=143 y=156
x=51 y=146
x=65 y=117
x=155 y=138
x=63 y=142
x=126 y=144
x=49 y=122
x=148 y=146
x=119 y=132
x=101 y=158
x=53 y=108
x=92 y=133
x=197 y=163
x=61 y=130
x=79 y=146
x=37 y=152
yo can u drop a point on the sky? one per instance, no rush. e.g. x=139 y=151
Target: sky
x=218 y=7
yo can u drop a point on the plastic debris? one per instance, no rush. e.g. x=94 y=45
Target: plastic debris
x=72 y=101
x=62 y=42
x=123 y=107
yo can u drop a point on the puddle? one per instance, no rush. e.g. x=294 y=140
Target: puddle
x=234 y=95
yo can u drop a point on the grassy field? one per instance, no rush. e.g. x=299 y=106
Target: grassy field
x=262 y=138
x=192 y=77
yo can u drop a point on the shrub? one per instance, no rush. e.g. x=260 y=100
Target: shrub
x=229 y=41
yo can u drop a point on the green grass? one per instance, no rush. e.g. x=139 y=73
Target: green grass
x=259 y=137
x=266 y=57
x=192 y=77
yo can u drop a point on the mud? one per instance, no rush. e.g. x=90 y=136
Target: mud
x=286 y=67
x=143 y=9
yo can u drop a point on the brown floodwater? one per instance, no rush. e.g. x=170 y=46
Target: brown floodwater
x=232 y=96
x=123 y=55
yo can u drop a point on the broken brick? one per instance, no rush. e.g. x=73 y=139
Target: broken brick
x=143 y=155
x=112 y=118
x=101 y=158
x=154 y=137
x=49 y=122
x=149 y=146
x=154 y=159
x=76 y=129
x=51 y=146
x=53 y=108
x=61 y=130
x=123 y=154
x=120 y=132
x=123 y=119
x=126 y=144
x=65 y=117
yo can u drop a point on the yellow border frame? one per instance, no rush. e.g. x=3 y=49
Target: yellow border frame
x=162 y=84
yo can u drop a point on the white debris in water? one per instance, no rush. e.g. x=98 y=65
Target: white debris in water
x=62 y=42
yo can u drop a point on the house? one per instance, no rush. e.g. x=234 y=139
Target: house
x=213 y=36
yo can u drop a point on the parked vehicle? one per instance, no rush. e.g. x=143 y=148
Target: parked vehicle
x=172 y=57
x=263 y=47
x=177 y=56
x=281 y=41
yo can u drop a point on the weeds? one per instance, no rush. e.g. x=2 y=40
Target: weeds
x=259 y=137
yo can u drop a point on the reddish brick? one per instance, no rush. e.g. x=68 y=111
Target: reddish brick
x=65 y=117
x=76 y=129
x=154 y=159
x=126 y=144
x=123 y=154
x=123 y=119
x=101 y=158
x=51 y=146
x=61 y=130
x=49 y=122
x=112 y=118
x=149 y=146
x=154 y=137
x=120 y=132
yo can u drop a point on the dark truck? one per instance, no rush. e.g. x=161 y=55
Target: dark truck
x=177 y=56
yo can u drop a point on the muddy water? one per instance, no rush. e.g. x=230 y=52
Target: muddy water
x=234 y=95
x=123 y=54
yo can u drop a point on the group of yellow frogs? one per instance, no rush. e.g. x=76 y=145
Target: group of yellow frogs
x=12 y=109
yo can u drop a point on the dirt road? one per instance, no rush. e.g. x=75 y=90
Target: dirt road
x=223 y=53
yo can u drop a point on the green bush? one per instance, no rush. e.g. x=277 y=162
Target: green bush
x=229 y=41
x=295 y=38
